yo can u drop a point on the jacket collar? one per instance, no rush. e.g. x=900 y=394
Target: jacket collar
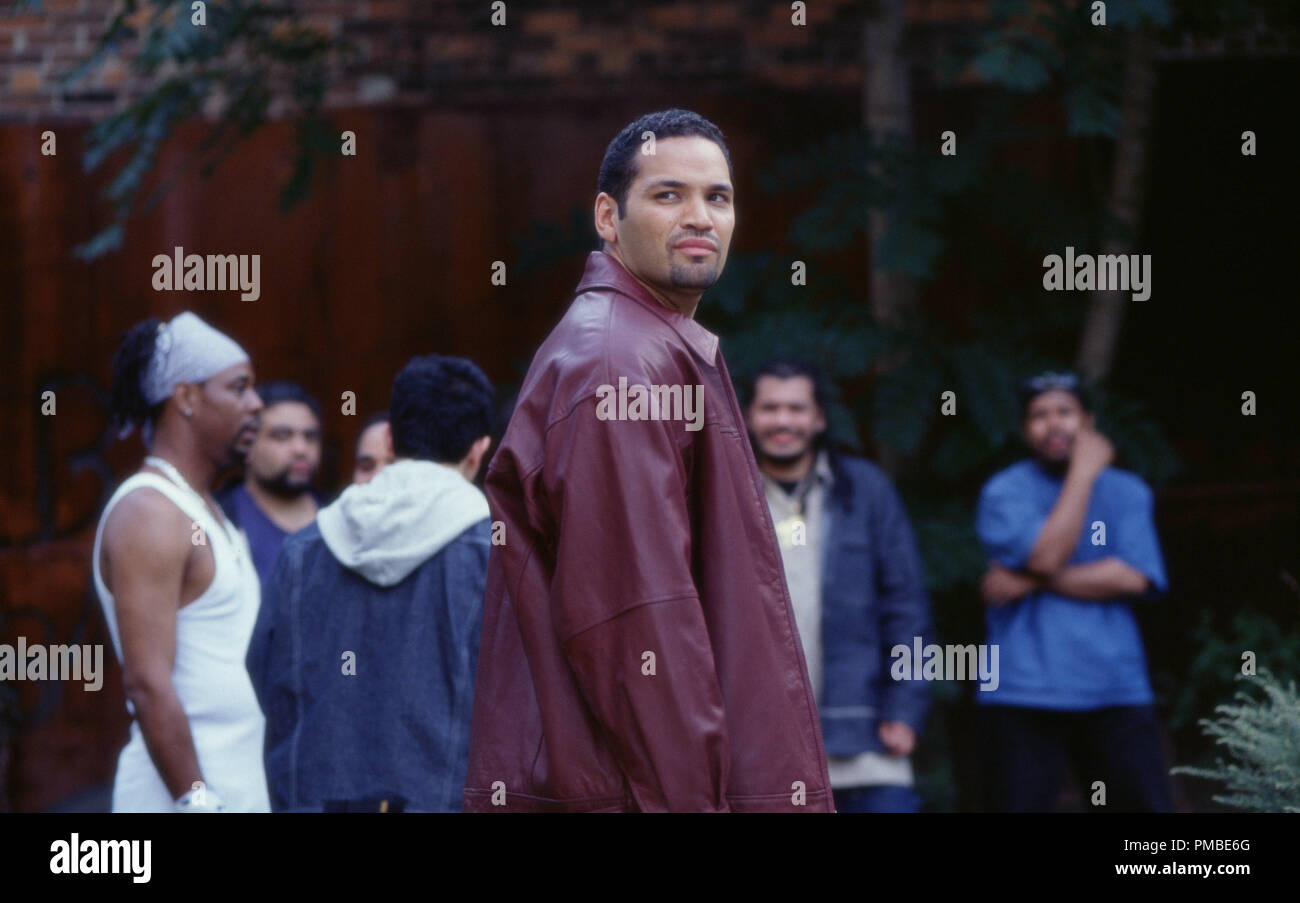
x=822 y=468
x=820 y=475
x=604 y=272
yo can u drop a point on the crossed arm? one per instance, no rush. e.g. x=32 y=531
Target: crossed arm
x=1104 y=579
x=1046 y=567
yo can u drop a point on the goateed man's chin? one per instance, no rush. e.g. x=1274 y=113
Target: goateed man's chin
x=697 y=276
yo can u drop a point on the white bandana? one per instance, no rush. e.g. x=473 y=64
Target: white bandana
x=187 y=350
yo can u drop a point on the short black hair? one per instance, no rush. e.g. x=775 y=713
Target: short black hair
x=440 y=406
x=130 y=365
x=377 y=417
x=280 y=391
x=1048 y=381
x=618 y=169
x=789 y=368
x=785 y=368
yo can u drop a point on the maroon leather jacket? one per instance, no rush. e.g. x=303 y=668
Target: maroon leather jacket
x=639 y=651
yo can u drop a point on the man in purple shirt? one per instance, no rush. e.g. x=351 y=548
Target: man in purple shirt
x=276 y=499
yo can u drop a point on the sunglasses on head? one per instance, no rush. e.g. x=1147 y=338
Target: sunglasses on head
x=1045 y=382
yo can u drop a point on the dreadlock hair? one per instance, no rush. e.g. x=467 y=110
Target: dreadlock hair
x=130 y=364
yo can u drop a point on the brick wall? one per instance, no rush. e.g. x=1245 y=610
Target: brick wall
x=447 y=51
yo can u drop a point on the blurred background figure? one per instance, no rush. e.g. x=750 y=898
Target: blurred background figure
x=390 y=577
x=374 y=449
x=276 y=498
x=174 y=578
x=856 y=582
x=1072 y=542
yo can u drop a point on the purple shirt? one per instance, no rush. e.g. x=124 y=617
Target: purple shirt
x=264 y=536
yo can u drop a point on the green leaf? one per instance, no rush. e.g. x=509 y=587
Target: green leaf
x=1011 y=67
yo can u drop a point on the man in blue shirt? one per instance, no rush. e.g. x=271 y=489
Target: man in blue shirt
x=1072 y=543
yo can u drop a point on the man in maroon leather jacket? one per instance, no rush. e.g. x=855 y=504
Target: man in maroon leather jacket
x=639 y=651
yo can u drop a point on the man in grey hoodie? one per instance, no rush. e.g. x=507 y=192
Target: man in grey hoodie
x=366 y=645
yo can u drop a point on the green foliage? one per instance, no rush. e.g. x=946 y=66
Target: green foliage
x=859 y=173
x=1262 y=739
x=251 y=53
x=978 y=354
x=1218 y=660
x=247 y=55
x=544 y=243
x=1031 y=46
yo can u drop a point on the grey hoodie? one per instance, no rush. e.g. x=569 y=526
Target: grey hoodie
x=387 y=528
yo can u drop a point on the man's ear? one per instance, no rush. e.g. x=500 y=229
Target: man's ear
x=186 y=396
x=469 y=465
x=605 y=213
x=481 y=446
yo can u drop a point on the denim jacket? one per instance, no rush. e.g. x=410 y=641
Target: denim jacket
x=368 y=686
x=873 y=598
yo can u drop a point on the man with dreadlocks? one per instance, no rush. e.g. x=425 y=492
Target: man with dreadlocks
x=176 y=580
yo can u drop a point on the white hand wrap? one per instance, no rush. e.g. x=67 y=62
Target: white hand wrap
x=200 y=800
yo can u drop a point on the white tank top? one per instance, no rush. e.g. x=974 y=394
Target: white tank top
x=210 y=677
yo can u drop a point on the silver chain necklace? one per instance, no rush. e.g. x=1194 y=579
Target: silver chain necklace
x=172 y=473
x=175 y=476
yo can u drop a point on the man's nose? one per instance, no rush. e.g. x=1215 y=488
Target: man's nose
x=696 y=215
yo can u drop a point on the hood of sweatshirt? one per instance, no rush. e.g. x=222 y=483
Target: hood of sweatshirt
x=387 y=528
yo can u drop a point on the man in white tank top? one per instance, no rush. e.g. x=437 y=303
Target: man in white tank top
x=176 y=580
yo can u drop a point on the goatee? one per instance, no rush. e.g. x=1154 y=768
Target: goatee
x=280 y=485
x=699 y=276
